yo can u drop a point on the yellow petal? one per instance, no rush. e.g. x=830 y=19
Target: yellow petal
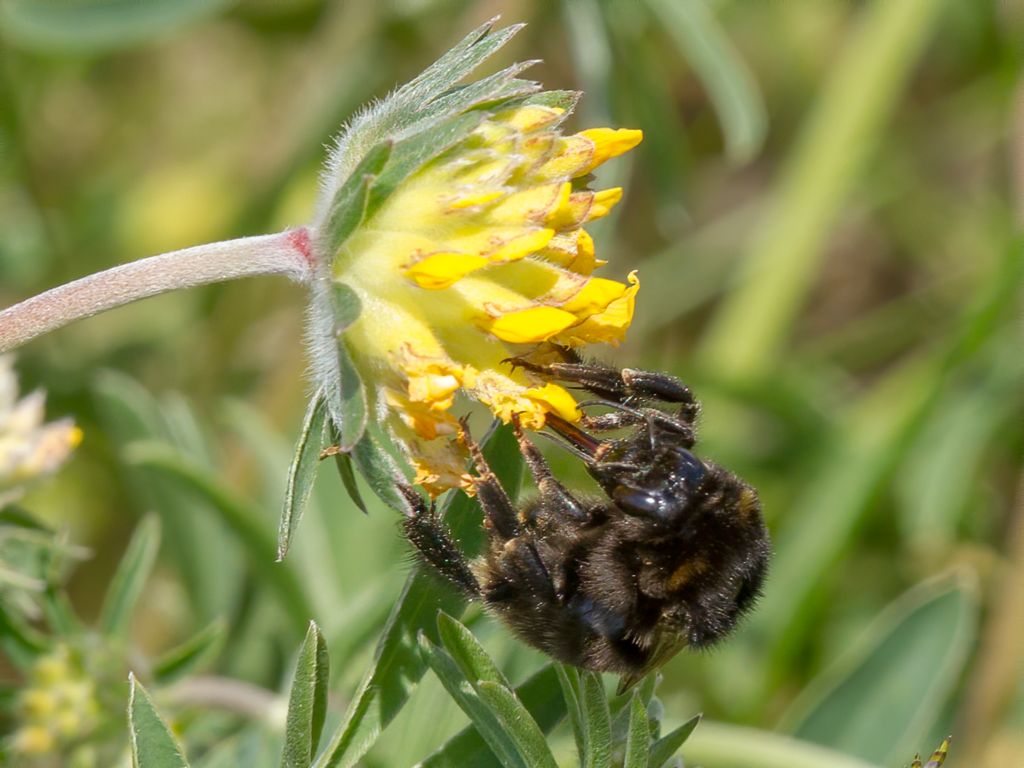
x=530 y=325
x=595 y=296
x=604 y=201
x=609 y=143
x=608 y=326
x=556 y=400
x=572 y=212
x=523 y=245
x=440 y=270
x=532 y=204
x=475 y=198
x=530 y=118
x=572 y=157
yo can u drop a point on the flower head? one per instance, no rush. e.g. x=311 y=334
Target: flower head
x=469 y=249
x=28 y=446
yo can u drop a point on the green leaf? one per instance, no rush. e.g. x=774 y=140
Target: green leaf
x=96 y=25
x=467 y=749
x=380 y=472
x=398 y=663
x=307 y=705
x=464 y=693
x=346 y=305
x=638 y=740
x=192 y=654
x=302 y=472
x=518 y=724
x=597 y=724
x=348 y=206
x=348 y=402
x=729 y=83
x=343 y=462
x=152 y=744
x=881 y=699
x=569 y=681
x=474 y=662
x=130 y=578
x=244 y=521
x=664 y=748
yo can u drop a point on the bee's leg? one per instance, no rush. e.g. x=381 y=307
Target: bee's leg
x=433 y=542
x=621 y=417
x=554 y=496
x=520 y=567
x=501 y=514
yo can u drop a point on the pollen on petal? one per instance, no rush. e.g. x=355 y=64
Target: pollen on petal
x=442 y=269
x=609 y=143
x=533 y=324
x=604 y=201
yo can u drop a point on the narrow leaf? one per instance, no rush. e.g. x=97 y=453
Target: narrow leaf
x=130 y=578
x=569 y=681
x=343 y=462
x=518 y=724
x=349 y=204
x=153 y=745
x=467 y=749
x=474 y=662
x=380 y=472
x=192 y=654
x=486 y=721
x=302 y=472
x=664 y=748
x=307 y=705
x=348 y=401
x=638 y=740
x=597 y=724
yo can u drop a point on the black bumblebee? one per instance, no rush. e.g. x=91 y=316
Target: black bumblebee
x=674 y=555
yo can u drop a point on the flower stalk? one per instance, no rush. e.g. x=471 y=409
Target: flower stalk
x=285 y=253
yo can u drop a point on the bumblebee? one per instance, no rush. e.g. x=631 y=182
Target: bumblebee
x=672 y=557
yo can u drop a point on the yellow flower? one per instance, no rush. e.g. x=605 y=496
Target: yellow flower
x=28 y=446
x=471 y=250
x=937 y=759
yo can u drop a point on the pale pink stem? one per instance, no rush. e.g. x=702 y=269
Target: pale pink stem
x=286 y=253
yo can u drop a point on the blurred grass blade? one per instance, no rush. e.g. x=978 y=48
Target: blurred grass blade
x=881 y=701
x=569 y=682
x=664 y=748
x=302 y=472
x=638 y=739
x=243 y=521
x=307 y=705
x=466 y=651
x=749 y=331
x=719 y=745
x=130 y=578
x=732 y=88
x=540 y=695
x=486 y=721
x=398 y=665
x=518 y=724
x=97 y=25
x=597 y=723
x=152 y=744
x=191 y=655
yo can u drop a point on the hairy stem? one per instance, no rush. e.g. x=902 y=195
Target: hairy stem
x=286 y=253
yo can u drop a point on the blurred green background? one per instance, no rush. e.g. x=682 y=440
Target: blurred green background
x=823 y=216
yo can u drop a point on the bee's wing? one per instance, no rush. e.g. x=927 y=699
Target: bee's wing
x=666 y=646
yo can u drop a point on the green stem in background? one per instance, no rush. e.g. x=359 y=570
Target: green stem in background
x=286 y=253
x=729 y=746
x=750 y=329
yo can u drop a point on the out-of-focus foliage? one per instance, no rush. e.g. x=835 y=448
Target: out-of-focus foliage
x=823 y=215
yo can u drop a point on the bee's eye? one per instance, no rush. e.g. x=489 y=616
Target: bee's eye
x=635 y=501
x=689 y=468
